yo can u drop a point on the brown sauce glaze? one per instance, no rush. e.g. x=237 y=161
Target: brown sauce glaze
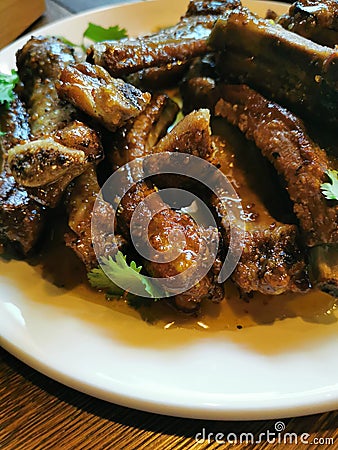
x=233 y=313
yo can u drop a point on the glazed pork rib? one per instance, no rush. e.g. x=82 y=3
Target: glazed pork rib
x=82 y=195
x=59 y=148
x=167 y=75
x=282 y=139
x=14 y=123
x=315 y=20
x=138 y=137
x=210 y=7
x=161 y=226
x=168 y=220
x=112 y=102
x=21 y=218
x=39 y=63
x=179 y=43
x=273 y=260
x=294 y=71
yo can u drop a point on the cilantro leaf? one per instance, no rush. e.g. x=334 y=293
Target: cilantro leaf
x=97 y=33
x=118 y=268
x=330 y=190
x=2 y=133
x=7 y=84
x=67 y=42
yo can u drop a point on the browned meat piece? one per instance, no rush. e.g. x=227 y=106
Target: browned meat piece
x=283 y=139
x=21 y=218
x=40 y=63
x=157 y=78
x=295 y=72
x=42 y=58
x=190 y=135
x=313 y=19
x=213 y=7
x=83 y=193
x=47 y=112
x=271 y=15
x=43 y=161
x=137 y=141
x=46 y=166
x=140 y=136
x=160 y=228
x=59 y=148
x=199 y=87
x=273 y=260
x=175 y=44
x=14 y=125
x=170 y=74
x=179 y=43
x=199 y=92
x=110 y=101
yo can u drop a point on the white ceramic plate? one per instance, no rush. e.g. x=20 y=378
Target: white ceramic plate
x=287 y=368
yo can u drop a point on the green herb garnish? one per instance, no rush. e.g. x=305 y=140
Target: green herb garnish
x=118 y=268
x=330 y=190
x=97 y=33
x=7 y=84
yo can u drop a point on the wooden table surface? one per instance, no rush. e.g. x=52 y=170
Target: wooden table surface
x=39 y=413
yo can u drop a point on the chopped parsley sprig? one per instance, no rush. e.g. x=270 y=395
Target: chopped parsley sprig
x=330 y=190
x=118 y=268
x=7 y=85
x=96 y=33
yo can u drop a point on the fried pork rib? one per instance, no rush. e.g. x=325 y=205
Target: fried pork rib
x=155 y=78
x=42 y=161
x=21 y=218
x=59 y=148
x=82 y=195
x=40 y=63
x=175 y=44
x=14 y=124
x=191 y=135
x=315 y=20
x=138 y=140
x=161 y=227
x=288 y=68
x=213 y=7
x=199 y=88
x=272 y=261
x=283 y=139
x=110 y=101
